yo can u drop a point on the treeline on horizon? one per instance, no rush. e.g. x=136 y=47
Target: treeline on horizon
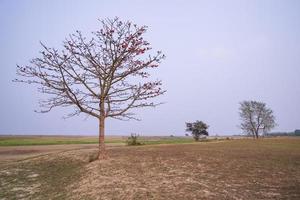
x=282 y=133
x=294 y=133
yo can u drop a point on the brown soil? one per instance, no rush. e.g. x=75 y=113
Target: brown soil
x=231 y=169
x=18 y=153
x=240 y=169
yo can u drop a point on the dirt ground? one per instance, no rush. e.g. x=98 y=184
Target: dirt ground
x=19 y=153
x=233 y=169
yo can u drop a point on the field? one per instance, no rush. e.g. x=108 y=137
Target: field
x=221 y=169
x=54 y=140
x=57 y=140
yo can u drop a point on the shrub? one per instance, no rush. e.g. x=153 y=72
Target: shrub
x=133 y=139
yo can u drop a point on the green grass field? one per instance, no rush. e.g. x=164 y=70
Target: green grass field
x=49 y=140
x=58 y=140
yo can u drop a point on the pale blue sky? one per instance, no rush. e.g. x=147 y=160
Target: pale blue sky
x=218 y=54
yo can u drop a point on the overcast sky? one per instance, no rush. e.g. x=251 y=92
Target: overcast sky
x=219 y=53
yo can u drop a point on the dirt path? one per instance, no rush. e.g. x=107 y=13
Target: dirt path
x=18 y=153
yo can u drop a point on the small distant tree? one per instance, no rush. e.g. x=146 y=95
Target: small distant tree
x=197 y=129
x=256 y=118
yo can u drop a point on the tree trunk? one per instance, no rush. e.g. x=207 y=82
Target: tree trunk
x=253 y=134
x=256 y=134
x=102 y=155
x=102 y=152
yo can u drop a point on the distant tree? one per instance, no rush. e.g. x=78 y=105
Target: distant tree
x=256 y=118
x=104 y=76
x=186 y=134
x=197 y=129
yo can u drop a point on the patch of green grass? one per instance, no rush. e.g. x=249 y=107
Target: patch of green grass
x=39 y=179
x=167 y=141
x=56 y=176
x=44 y=140
x=59 y=140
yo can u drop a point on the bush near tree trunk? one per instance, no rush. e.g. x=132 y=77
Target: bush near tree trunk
x=133 y=140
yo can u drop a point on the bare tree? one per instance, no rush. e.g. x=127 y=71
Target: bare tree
x=256 y=118
x=105 y=76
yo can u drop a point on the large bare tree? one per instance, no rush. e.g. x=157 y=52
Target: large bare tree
x=105 y=76
x=256 y=118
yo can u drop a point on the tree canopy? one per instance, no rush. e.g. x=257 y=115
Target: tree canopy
x=197 y=129
x=105 y=75
x=256 y=118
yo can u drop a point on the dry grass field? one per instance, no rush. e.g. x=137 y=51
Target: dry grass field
x=227 y=169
